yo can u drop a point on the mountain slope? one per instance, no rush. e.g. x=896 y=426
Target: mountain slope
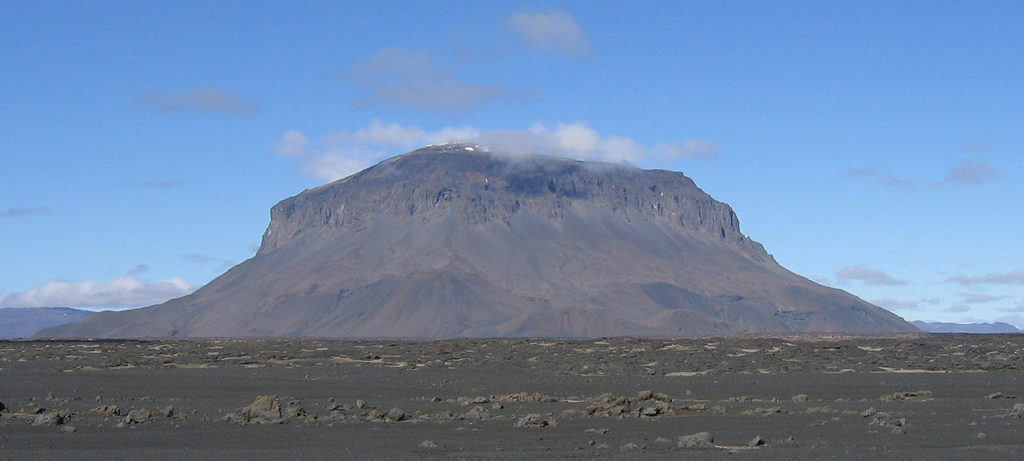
x=453 y=241
x=23 y=322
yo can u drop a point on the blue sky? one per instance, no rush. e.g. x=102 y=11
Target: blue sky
x=871 y=148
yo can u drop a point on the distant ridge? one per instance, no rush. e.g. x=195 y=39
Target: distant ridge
x=944 y=327
x=457 y=241
x=23 y=322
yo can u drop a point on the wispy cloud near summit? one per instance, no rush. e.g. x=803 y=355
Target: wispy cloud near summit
x=341 y=153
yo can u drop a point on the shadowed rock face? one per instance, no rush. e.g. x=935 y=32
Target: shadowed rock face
x=453 y=241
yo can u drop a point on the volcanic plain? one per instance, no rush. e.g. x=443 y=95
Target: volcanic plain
x=904 y=396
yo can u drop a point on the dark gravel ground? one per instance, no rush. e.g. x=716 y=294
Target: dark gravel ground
x=780 y=397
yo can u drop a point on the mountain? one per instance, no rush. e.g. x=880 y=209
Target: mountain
x=23 y=322
x=944 y=327
x=455 y=240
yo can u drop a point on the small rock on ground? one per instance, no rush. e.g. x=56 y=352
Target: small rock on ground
x=698 y=440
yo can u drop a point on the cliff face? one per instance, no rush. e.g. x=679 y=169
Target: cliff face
x=453 y=241
x=478 y=187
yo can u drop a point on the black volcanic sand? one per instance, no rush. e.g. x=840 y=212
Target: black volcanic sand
x=784 y=397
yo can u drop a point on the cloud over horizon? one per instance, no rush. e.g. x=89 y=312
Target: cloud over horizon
x=553 y=31
x=341 y=153
x=867 y=275
x=896 y=304
x=1006 y=278
x=119 y=292
x=208 y=100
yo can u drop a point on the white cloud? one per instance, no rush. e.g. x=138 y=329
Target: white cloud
x=25 y=211
x=1007 y=278
x=198 y=99
x=292 y=144
x=410 y=78
x=119 y=292
x=896 y=304
x=875 y=175
x=552 y=32
x=341 y=153
x=972 y=298
x=576 y=139
x=971 y=173
x=867 y=275
x=957 y=308
x=691 y=148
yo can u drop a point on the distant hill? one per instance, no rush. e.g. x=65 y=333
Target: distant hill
x=457 y=241
x=23 y=322
x=945 y=327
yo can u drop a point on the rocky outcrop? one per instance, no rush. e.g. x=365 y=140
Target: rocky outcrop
x=452 y=240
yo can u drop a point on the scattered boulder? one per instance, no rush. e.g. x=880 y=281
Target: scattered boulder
x=755 y=442
x=477 y=413
x=897 y=396
x=52 y=418
x=609 y=405
x=107 y=410
x=478 y=400
x=883 y=419
x=266 y=409
x=698 y=440
x=572 y=413
x=630 y=446
x=3 y=407
x=395 y=414
x=68 y=428
x=1018 y=410
x=535 y=420
x=766 y=412
x=429 y=444
x=800 y=398
x=1000 y=395
x=139 y=416
x=294 y=409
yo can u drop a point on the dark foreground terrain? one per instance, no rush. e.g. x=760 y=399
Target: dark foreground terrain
x=785 y=397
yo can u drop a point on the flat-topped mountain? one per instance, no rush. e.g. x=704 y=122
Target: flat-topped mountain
x=455 y=240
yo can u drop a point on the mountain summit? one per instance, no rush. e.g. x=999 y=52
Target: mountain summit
x=455 y=240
